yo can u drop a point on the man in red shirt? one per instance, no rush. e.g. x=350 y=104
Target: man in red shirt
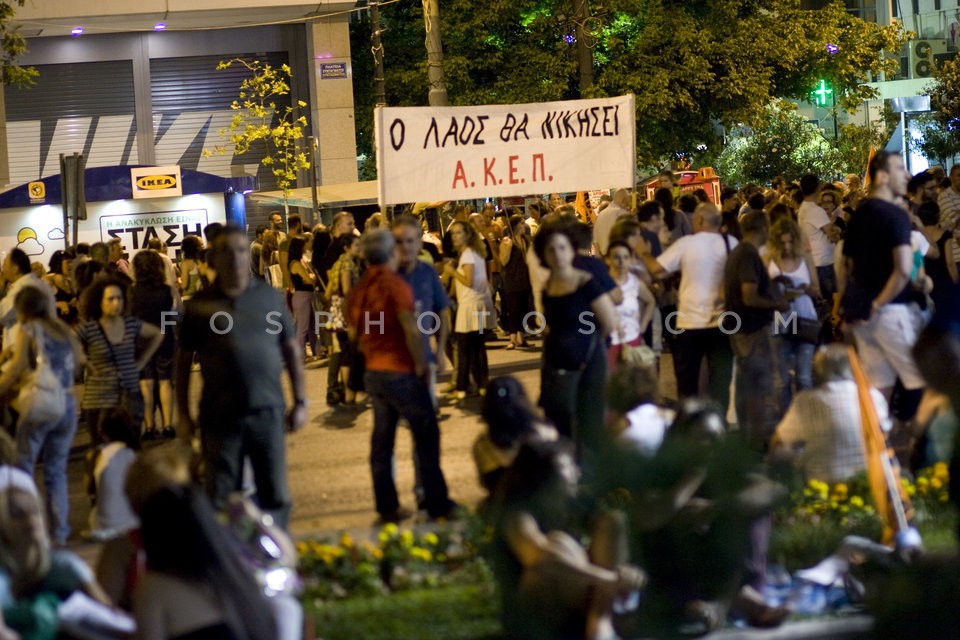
x=381 y=317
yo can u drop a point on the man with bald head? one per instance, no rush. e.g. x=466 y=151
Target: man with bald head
x=619 y=208
x=700 y=258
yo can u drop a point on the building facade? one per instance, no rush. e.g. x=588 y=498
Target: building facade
x=139 y=84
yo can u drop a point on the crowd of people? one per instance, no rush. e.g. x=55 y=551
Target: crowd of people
x=759 y=300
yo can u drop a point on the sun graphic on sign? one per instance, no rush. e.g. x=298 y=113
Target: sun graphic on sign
x=28 y=243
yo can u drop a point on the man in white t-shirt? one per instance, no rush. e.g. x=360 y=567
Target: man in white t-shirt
x=700 y=259
x=819 y=234
x=619 y=208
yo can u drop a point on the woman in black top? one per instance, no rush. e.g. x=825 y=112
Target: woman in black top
x=304 y=281
x=579 y=317
x=150 y=299
x=517 y=294
x=64 y=291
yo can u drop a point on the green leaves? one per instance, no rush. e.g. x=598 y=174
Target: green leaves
x=696 y=67
x=13 y=45
x=941 y=128
x=258 y=121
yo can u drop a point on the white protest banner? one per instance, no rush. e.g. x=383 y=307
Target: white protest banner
x=455 y=153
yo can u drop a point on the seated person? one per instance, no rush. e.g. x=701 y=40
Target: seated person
x=550 y=586
x=511 y=420
x=638 y=420
x=703 y=522
x=34 y=579
x=196 y=586
x=111 y=515
x=822 y=432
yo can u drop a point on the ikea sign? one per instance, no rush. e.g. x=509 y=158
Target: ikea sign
x=155 y=182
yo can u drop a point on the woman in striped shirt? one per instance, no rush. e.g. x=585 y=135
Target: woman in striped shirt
x=109 y=337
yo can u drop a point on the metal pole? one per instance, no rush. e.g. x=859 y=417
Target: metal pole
x=438 y=86
x=584 y=52
x=376 y=47
x=312 y=142
x=836 y=134
x=65 y=185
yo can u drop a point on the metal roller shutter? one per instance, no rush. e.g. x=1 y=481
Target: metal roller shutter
x=191 y=103
x=83 y=107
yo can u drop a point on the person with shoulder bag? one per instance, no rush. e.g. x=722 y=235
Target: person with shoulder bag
x=794 y=269
x=40 y=375
x=109 y=337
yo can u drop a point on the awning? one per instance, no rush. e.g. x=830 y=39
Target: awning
x=328 y=195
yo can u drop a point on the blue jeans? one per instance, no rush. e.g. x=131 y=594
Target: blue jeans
x=50 y=443
x=795 y=355
x=396 y=395
x=259 y=435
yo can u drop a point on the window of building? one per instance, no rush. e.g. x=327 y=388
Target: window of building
x=865 y=9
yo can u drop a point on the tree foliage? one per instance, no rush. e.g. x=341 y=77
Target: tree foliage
x=257 y=120
x=12 y=46
x=695 y=67
x=937 y=143
x=783 y=143
x=941 y=127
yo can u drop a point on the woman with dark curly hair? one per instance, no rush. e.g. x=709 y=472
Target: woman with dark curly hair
x=511 y=421
x=109 y=338
x=150 y=299
x=64 y=290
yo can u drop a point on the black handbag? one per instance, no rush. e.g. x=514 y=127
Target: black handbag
x=130 y=400
x=808 y=330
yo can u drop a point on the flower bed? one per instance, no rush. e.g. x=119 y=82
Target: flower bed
x=398 y=560
x=819 y=515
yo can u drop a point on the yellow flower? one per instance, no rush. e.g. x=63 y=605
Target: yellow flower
x=856 y=501
x=936 y=483
x=406 y=538
x=302 y=548
x=390 y=529
x=840 y=488
x=346 y=541
x=421 y=554
x=431 y=539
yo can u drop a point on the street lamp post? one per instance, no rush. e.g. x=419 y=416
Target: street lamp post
x=584 y=52
x=376 y=47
